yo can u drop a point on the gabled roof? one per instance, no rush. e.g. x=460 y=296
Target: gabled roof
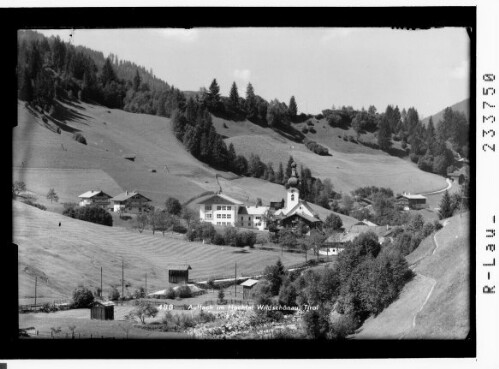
x=92 y=193
x=174 y=266
x=103 y=303
x=221 y=199
x=304 y=216
x=127 y=195
x=304 y=204
x=409 y=196
x=257 y=210
x=249 y=283
x=366 y=222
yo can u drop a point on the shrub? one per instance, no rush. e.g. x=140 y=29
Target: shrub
x=316 y=323
x=304 y=129
x=319 y=116
x=221 y=295
x=173 y=206
x=345 y=138
x=35 y=204
x=218 y=239
x=92 y=214
x=404 y=145
x=179 y=229
x=310 y=123
x=437 y=225
x=170 y=293
x=230 y=236
x=82 y=297
x=246 y=238
x=316 y=148
x=78 y=137
x=351 y=138
x=312 y=130
x=183 y=292
x=114 y=294
x=414 y=157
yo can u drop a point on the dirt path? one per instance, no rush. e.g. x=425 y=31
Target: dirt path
x=434 y=283
x=449 y=185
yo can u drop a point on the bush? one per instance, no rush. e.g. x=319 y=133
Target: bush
x=92 y=214
x=82 y=297
x=316 y=323
x=437 y=225
x=179 y=229
x=414 y=157
x=230 y=236
x=170 y=293
x=221 y=295
x=312 y=130
x=319 y=116
x=304 y=129
x=78 y=137
x=245 y=238
x=35 y=204
x=310 y=123
x=114 y=294
x=316 y=148
x=183 y=292
x=404 y=145
x=218 y=239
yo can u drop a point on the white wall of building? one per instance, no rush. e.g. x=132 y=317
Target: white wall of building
x=218 y=214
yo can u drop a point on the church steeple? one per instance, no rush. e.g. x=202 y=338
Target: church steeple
x=293 y=194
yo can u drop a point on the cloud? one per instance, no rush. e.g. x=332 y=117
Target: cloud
x=179 y=34
x=334 y=33
x=242 y=74
x=462 y=71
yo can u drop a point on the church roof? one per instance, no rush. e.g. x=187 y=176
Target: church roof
x=293 y=180
x=304 y=216
x=304 y=204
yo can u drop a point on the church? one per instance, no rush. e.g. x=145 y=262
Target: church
x=222 y=210
x=296 y=209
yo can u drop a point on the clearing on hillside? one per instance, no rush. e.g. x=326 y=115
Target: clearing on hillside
x=435 y=304
x=64 y=257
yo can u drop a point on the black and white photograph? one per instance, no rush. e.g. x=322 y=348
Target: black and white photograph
x=260 y=184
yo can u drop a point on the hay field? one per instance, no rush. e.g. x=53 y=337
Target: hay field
x=435 y=305
x=73 y=254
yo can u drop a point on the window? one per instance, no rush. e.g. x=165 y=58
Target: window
x=258 y=218
x=228 y=207
x=242 y=219
x=207 y=207
x=224 y=216
x=218 y=223
x=208 y=216
x=223 y=208
x=249 y=224
x=292 y=197
x=219 y=208
x=219 y=216
x=229 y=216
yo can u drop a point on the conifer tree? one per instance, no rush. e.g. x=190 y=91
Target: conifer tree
x=445 y=206
x=251 y=106
x=288 y=167
x=107 y=75
x=279 y=178
x=293 y=108
x=384 y=135
x=136 y=81
x=26 y=90
x=234 y=96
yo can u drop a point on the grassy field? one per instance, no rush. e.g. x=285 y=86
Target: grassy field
x=435 y=305
x=74 y=253
x=44 y=159
x=347 y=170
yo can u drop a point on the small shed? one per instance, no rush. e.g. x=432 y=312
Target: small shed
x=178 y=273
x=102 y=310
x=248 y=288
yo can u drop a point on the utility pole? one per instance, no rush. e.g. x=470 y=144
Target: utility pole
x=122 y=278
x=146 y=287
x=235 y=280
x=36 y=282
x=101 y=282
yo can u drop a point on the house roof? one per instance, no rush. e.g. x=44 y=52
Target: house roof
x=409 y=196
x=92 y=193
x=103 y=303
x=249 y=283
x=257 y=210
x=127 y=195
x=180 y=266
x=304 y=216
x=220 y=198
x=366 y=222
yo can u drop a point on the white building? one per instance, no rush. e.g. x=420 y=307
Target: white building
x=222 y=210
x=96 y=198
x=130 y=202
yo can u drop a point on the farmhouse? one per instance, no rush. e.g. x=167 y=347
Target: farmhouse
x=337 y=241
x=129 y=202
x=96 y=198
x=253 y=217
x=248 y=291
x=408 y=201
x=296 y=209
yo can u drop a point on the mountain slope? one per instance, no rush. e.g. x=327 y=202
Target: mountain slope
x=435 y=304
x=66 y=256
x=462 y=106
x=44 y=159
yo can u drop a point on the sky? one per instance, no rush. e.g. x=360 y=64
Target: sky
x=321 y=67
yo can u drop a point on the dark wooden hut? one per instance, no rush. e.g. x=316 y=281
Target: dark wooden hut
x=178 y=273
x=102 y=310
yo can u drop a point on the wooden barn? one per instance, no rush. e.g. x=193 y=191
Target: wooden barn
x=178 y=273
x=248 y=288
x=102 y=310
